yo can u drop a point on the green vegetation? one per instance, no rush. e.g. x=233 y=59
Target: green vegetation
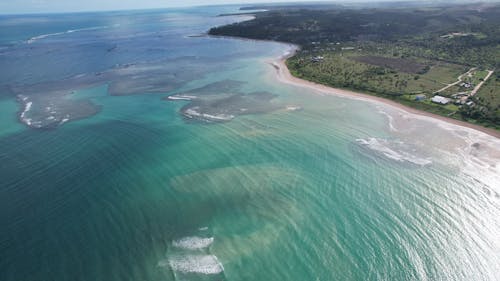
x=487 y=104
x=351 y=70
x=393 y=52
x=343 y=69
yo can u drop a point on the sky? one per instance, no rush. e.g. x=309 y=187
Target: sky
x=57 y=6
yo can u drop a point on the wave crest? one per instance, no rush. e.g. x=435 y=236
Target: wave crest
x=204 y=264
x=193 y=242
x=392 y=150
x=39 y=37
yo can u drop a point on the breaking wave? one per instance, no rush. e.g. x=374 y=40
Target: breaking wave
x=181 y=97
x=193 y=113
x=204 y=264
x=193 y=242
x=190 y=258
x=479 y=158
x=392 y=150
x=39 y=37
x=389 y=118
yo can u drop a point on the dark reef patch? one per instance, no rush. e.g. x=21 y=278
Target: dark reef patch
x=223 y=101
x=48 y=104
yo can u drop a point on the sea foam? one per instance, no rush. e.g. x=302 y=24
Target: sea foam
x=383 y=147
x=192 y=112
x=193 y=242
x=39 y=37
x=204 y=264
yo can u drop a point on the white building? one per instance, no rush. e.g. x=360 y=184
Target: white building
x=440 y=100
x=317 y=59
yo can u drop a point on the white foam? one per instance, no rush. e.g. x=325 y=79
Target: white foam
x=204 y=264
x=193 y=242
x=481 y=163
x=293 y=108
x=389 y=117
x=191 y=112
x=27 y=107
x=36 y=38
x=382 y=147
x=22 y=116
x=79 y=76
x=39 y=37
x=181 y=97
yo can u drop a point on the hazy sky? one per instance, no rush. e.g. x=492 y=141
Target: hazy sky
x=33 y=6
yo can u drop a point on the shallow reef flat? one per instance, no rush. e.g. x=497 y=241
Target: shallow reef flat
x=222 y=101
x=53 y=109
x=50 y=104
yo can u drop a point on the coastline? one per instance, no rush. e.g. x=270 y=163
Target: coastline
x=283 y=75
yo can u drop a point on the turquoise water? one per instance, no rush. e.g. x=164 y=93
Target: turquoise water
x=312 y=187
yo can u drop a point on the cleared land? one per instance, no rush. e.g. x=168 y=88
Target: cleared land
x=398 y=64
x=348 y=69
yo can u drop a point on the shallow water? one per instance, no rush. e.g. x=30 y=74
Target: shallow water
x=339 y=189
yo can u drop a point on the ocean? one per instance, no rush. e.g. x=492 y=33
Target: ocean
x=132 y=147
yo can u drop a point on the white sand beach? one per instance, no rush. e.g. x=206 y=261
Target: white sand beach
x=284 y=76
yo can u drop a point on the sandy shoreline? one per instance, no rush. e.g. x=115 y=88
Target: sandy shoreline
x=283 y=75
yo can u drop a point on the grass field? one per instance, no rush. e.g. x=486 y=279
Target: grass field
x=382 y=75
x=476 y=77
x=491 y=90
x=489 y=98
x=402 y=79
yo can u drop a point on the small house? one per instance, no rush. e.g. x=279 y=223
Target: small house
x=317 y=59
x=466 y=85
x=440 y=100
x=420 y=97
